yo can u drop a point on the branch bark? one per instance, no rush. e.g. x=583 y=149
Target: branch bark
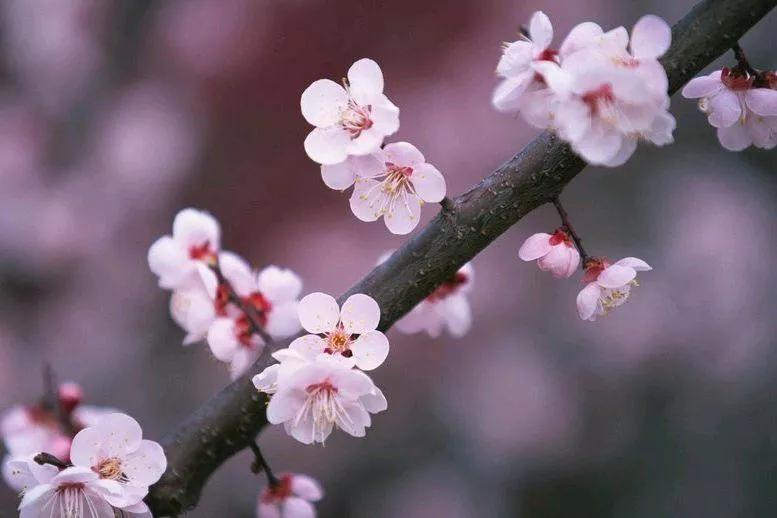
x=230 y=420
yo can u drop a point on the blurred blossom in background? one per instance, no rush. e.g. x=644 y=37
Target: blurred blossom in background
x=114 y=115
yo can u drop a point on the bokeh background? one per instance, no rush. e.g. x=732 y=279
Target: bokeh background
x=116 y=114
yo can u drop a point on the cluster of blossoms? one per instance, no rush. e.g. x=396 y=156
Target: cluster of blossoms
x=600 y=91
x=103 y=466
x=741 y=104
x=351 y=121
x=290 y=497
x=218 y=297
x=319 y=384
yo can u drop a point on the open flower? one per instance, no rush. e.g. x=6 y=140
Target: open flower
x=177 y=259
x=609 y=285
x=555 y=253
x=115 y=451
x=194 y=311
x=743 y=114
x=393 y=183
x=446 y=308
x=350 y=334
x=352 y=119
x=74 y=492
x=324 y=394
x=291 y=498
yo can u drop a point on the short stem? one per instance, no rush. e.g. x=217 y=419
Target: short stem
x=51 y=401
x=447 y=204
x=47 y=458
x=248 y=309
x=260 y=464
x=569 y=229
x=742 y=61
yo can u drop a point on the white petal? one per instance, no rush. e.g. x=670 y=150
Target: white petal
x=404 y=216
x=374 y=401
x=283 y=319
x=515 y=59
x=284 y=405
x=628 y=146
x=322 y=103
x=352 y=383
x=279 y=284
x=403 y=154
x=587 y=300
x=193 y=227
x=763 y=131
x=222 y=340
x=458 y=315
x=294 y=507
x=145 y=465
x=365 y=79
x=360 y=313
x=338 y=176
x=264 y=510
x=306 y=487
x=238 y=272
x=167 y=259
x=266 y=381
x=615 y=276
x=243 y=359
x=385 y=116
x=632 y=262
x=327 y=146
x=119 y=434
x=428 y=183
x=34 y=494
x=540 y=30
x=661 y=130
x=725 y=109
x=762 y=101
x=598 y=145
x=367 y=200
x=535 y=246
x=368 y=141
x=735 y=137
x=319 y=313
x=308 y=346
x=650 y=37
x=703 y=86
x=508 y=95
x=370 y=350
x=581 y=36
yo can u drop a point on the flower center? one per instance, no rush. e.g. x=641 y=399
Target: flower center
x=735 y=80
x=338 y=341
x=202 y=252
x=559 y=237
x=324 y=409
x=597 y=100
x=110 y=469
x=278 y=493
x=448 y=287
x=356 y=119
x=593 y=268
x=548 y=55
x=614 y=297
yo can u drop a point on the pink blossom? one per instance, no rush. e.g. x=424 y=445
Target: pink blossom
x=291 y=498
x=742 y=113
x=352 y=119
x=555 y=253
x=608 y=285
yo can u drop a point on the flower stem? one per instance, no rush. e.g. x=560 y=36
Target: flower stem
x=248 y=309
x=742 y=61
x=260 y=464
x=569 y=229
x=47 y=458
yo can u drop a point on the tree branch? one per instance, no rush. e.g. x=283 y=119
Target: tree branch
x=230 y=420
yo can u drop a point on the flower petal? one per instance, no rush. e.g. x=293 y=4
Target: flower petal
x=322 y=103
x=338 y=176
x=403 y=154
x=145 y=465
x=367 y=200
x=279 y=284
x=615 y=276
x=650 y=37
x=293 y=507
x=515 y=59
x=374 y=401
x=734 y=137
x=632 y=262
x=370 y=350
x=535 y=246
x=725 y=109
x=508 y=95
x=540 y=31
x=222 y=339
x=327 y=146
x=587 y=301
x=385 y=116
x=365 y=80
x=762 y=101
x=283 y=319
x=458 y=314
x=284 y=405
x=167 y=259
x=703 y=86
x=360 y=313
x=428 y=182
x=193 y=227
x=582 y=35
x=120 y=434
x=319 y=313
x=308 y=346
x=404 y=215
x=307 y=488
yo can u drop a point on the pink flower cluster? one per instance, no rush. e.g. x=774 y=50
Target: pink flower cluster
x=600 y=91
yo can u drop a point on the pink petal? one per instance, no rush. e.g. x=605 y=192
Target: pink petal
x=367 y=200
x=540 y=31
x=374 y=401
x=385 y=116
x=508 y=95
x=581 y=36
x=284 y=405
x=352 y=383
x=598 y=145
x=307 y=488
x=615 y=276
x=763 y=131
x=85 y=448
x=632 y=262
x=628 y=146
x=535 y=247
x=365 y=79
x=359 y=314
x=661 y=130
x=145 y=465
x=322 y=103
x=458 y=314
x=319 y=313
x=428 y=182
x=121 y=434
x=725 y=109
x=368 y=141
x=403 y=154
x=703 y=86
x=587 y=301
x=327 y=146
x=283 y=319
x=167 y=259
x=222 y=340
x=370 y=350
x=650 y=37
x=515 y=59
x=404 y=216
x=196 y=227
x=735 y=137
x=338 y=176
x=762 y=101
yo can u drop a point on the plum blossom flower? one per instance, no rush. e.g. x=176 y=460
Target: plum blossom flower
x=446 y=308
x=177 y=259
x=742 y=113
x=352 y=119
x=391 y=183
x=349 y=334
x=194 y=311
x=272 y=293
x=322 y=394
x=555 y=253
x=32 y=429
x=608 y=285
x=115 y=451
x=290 y=498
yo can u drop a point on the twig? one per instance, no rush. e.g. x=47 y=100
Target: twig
x=567 y=226
x=250 y=311
x=260 y=464
x=742 y=61
x=51 y=401
x=47 y=458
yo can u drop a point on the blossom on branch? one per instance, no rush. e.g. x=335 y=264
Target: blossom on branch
x=555 y=253
x=352 y=119
x=608 y=285
x=292 y=497
x=743 y=114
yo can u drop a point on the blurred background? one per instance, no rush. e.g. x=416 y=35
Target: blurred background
x=115 y=115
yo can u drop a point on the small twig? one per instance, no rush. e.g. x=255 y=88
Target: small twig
x=260 y=464
x=249 y=310
x=51 y=402
x=447 y=205
x=47 y=458
x=567 y=226
x=742 y=61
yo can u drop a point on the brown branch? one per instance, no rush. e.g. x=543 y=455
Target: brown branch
x=260 y=464
x=248 y=309
x=566 y=224
x=47 y=458
x=230 y=420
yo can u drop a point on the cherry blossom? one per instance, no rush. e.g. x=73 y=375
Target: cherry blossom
x=194 y=310
x=115 y=451
x=392 y=183
x=321 y=395
x=446 y=308
x=352 y=119
x=349 y=334
x=742 y=113
x=178 y=259
x=555 y=253
x=608 y=285
x=74 y=492
x=290 y=498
